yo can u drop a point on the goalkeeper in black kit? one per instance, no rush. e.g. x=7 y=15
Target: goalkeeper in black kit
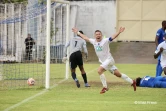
x=29 y=42
x=76 y=45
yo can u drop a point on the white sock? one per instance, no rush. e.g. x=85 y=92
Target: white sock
x=103 y=80
x=126 y=78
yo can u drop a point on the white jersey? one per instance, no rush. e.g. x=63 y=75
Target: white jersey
x=102 y=49
x=163 y=54
x=76 y=44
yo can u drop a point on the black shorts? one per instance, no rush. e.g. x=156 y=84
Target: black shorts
x=76 y=59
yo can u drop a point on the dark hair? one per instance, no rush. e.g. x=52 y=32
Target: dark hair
x=163 y=22
x=81 y=32
x=29 y=35
x=138 y=80
x=98 y=31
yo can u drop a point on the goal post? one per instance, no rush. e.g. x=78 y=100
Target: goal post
x=48 y=24
x=47 y=85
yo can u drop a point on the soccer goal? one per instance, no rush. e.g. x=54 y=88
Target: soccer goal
x=47 y=22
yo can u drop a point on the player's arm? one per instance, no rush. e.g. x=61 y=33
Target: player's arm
x=121 y=29
x=75 y=30
x=85 y=50
x=64 y=59
x=65 y=49
x=158 y=53
x=156 y=41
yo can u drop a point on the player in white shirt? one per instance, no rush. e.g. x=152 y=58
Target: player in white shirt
x=161 y=49
x=101 y=46
x=76 y=45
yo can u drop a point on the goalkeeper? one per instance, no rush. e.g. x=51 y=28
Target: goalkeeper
x=153 y=82
x=77 y=44
x=29 y=42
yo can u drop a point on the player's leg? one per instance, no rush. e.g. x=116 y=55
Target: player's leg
x=81 y=67
x=84 y=76
x=101 y=71
x=159 y=69
x=73 y=66
x=103 y=67
x=30 y=54
x=26 y=55
x=117 y=73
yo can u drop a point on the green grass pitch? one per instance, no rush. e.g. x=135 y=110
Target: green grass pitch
x=65 y=96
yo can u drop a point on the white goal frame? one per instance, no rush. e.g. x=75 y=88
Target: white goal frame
x=47 y=79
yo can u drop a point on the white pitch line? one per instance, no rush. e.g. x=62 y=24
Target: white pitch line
x=32 y=97
x=38 y=94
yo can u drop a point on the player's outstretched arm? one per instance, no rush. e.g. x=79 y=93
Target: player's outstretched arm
x=75 y=30
x=121 y=29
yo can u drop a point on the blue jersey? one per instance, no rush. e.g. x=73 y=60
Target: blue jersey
x=156 y=82
x=147 y=81
x=160 y=34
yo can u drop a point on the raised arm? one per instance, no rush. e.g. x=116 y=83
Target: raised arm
x=75 y=30
x=121 y=29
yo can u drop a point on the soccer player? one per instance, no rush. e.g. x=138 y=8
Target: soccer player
x=159 y=38
x=101 y=46
x=29 y=42
x=77 y=44
x=161 y=51
x=153 y=82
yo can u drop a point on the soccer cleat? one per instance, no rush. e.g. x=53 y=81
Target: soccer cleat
x=104 y=90
x=134 y=85
x=87 y=85
x=77 y=84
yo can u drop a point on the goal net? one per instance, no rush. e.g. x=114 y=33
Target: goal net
x=21 y=57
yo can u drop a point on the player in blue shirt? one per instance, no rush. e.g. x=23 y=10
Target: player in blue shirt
x=159 y=38
x=153 y=82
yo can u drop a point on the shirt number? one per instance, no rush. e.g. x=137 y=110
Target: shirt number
x=75 y=43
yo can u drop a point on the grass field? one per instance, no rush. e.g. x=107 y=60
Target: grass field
x=65 y=96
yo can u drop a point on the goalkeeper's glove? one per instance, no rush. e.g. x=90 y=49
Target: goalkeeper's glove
x=64 y=59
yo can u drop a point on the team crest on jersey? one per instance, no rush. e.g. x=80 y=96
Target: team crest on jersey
x=98 y=48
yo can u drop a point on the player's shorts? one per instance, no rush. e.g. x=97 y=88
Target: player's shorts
x=76 y=59
x=108 y=64
x=163 y=65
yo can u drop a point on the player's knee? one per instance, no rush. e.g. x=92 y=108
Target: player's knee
x=100 y=71
x=83 y=71
x=117 y=73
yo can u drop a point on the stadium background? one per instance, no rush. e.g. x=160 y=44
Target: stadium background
x=142 y=18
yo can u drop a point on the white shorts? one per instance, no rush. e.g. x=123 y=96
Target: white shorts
x=163 y=66
x=108 y=64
